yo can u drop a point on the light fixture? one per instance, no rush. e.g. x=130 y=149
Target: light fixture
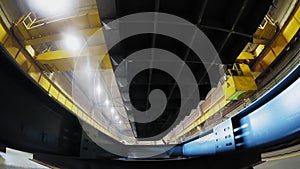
x=112 y=110
x=98 y=89
x=106 y=102
x=72 y=42
x=116 y=117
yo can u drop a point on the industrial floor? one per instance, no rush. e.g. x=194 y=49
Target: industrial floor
x=13 y=159
x=284 y=163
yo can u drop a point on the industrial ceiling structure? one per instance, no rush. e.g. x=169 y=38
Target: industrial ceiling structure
x=49 y=34
x=154 y=83
x=78 y=65
x=229 y=25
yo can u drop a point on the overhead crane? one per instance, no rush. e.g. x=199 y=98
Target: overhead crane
x=29 y=33
x=242 y=80
x=36 y=32
x=27 y=61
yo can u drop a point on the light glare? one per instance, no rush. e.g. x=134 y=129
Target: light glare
x=50 y=8
x=106 y=102
x=72 y=43
x=98 y=90
x=112 y=110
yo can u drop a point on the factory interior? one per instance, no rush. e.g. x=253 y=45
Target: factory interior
x=131 y=84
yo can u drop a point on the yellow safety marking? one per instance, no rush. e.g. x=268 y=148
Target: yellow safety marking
x=281 y=157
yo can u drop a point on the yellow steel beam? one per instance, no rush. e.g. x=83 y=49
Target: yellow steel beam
x=46 y=31
x=63 y=60
x=287 y=32
x=99 y=50
x=21 y=57
x=245 y=56
x=265 y=33
x=55 y=37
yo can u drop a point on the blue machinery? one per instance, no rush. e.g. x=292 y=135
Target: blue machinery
x=270 y=119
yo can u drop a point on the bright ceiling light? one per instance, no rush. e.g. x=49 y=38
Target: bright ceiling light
x=72 y=43
x=98 y=90
x=50 y=8
x=106 y=102
x=116 y=117
x=112 y=110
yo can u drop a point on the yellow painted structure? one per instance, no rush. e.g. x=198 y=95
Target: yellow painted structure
x=34 y=32
x=266 y=32
x=237 y=84
x=64 y=60
x=287 y=32
x=23 y=58
x=245 y=56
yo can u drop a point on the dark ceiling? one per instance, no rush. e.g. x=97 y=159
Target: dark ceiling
x=229 y=25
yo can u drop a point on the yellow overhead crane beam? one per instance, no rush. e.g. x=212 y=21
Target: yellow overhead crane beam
x=34 y=32
x=31 y=30
x=100 y=50
x=285 y=35
x=22 y=57
x=63 y=60
x=55 y=37
x=260 y=37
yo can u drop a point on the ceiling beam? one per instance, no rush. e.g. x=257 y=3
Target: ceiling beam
x=56 y=37
x=99 y=50
x=63 y=60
